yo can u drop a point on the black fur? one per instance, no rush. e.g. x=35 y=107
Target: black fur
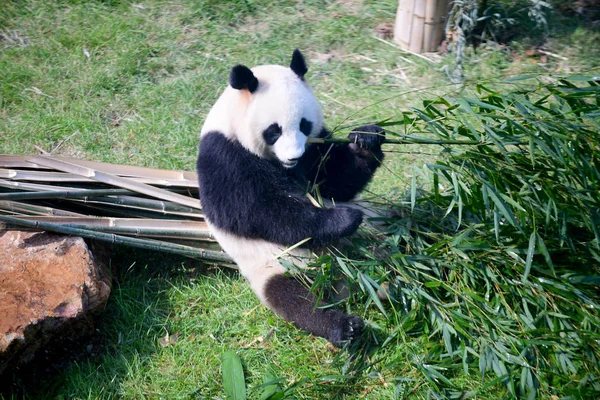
x=252 y=197
x=305 y=126
x=298 y=65
x=271 y=134
x=347 y=169
x=241 y=77
x=289 y=299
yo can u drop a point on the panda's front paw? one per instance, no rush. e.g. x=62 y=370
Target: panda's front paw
x=347 y=329
x=367 y=137
x=345 y=221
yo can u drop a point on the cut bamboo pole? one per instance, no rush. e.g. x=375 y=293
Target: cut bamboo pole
x=133 y=171
x=17 y=161
x=420 y=24
x=63 y=194
x=90 y=173
x=404 y=20
x=27 y=161
x=51 y=176
x=93 y=196
x=155 y=245
x=159 y=206
x=15 y=207
x=41 y=176
x=192 y=230
x=417 y=27
x=34 y=187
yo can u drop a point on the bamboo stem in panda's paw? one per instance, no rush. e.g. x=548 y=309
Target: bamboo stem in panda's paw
x=404 y=139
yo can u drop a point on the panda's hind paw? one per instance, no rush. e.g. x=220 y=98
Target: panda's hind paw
x=368 y=137
x=347 y=330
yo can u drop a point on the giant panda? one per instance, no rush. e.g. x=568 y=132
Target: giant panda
x=254 y=167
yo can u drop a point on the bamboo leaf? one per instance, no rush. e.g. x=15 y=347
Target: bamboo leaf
x=413 y=190
x=345 y=268
x=233 y=376
x=529 y=260
x=502 y=207
x=447 y=338
x=541 y=246
x=371 y=287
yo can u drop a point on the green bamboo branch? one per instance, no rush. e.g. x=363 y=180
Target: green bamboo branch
x=155 y=245
x=404 y=139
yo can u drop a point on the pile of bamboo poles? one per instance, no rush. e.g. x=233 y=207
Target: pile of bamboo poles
x=140 y=207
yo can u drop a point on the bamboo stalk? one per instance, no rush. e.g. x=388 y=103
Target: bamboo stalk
x=143 y=224
x=51 y=176
x=145 y=205
x=30 y=209
x=122 y=211
x=134 y=171
x=155 y=245
x=116 y=181
x=65 y=194
x=137 y=232
x=17 y=161
x=41 y=176
x=159 y=206
x=404 y=139
x=27 y=161
x=87 y=196
x=418 y=22
x=34 y=187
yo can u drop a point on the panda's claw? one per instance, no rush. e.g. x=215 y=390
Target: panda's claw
x=368 y=137
x=348 y=330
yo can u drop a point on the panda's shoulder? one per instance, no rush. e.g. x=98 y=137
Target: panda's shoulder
x=216 y=145
x=229 y=157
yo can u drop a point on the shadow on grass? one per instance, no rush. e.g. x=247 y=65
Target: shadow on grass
x=125 y=335
x=125 y=344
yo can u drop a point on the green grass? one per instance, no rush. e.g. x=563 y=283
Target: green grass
x=131 y=82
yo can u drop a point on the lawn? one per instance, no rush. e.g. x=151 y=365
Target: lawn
x=131 y=82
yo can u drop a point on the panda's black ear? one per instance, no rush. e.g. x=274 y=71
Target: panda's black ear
x=241 y=77
x=298 y=65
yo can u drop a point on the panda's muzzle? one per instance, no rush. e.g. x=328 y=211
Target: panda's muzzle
x=291 y=163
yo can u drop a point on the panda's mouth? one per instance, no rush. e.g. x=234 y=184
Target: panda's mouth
x=289 y=164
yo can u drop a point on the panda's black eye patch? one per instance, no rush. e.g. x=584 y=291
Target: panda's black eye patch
x=272 y=133
x=305 y=126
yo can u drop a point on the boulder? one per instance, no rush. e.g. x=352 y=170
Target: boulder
x=51 y=288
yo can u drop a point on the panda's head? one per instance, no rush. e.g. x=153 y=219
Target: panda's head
x=269 y=109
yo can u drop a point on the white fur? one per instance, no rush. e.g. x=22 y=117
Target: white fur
x=282 y=98
x=257 y=259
